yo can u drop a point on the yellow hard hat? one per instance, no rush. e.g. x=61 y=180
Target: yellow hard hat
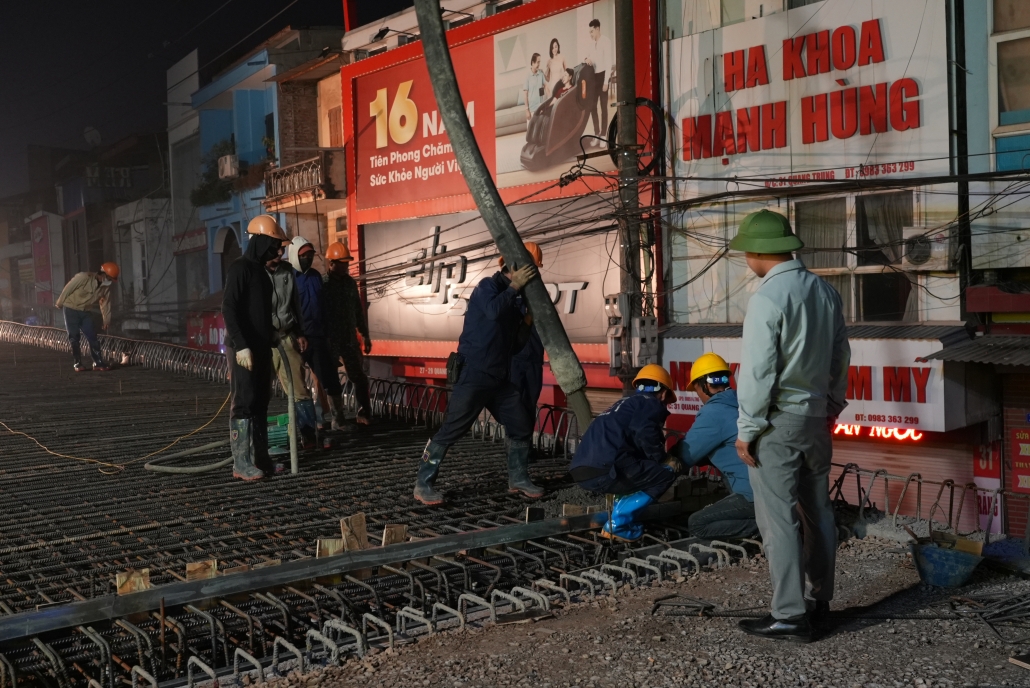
x=655 y=373
x=266 y=224
x=708 y=363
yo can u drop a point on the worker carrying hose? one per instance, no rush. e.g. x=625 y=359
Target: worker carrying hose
x=494 y=330
x=249 y=338
x=313 y=313
x=346 y=318
x=527 y=366
x=790 y=386
x=712 y=439
x=84 y=290
x=623 y=452
x=288 y=324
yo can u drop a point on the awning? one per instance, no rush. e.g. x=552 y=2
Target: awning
x=1013 y=351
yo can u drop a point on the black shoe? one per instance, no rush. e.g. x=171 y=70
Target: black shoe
x=796 y=629
x=819 y=616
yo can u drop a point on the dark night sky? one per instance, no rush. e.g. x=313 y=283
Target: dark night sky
x=66 y=65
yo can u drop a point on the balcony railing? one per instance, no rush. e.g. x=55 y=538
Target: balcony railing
x=323 y=172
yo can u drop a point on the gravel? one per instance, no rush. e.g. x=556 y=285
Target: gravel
x=617 y=642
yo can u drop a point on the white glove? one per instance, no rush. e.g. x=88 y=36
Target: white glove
x=245 y=359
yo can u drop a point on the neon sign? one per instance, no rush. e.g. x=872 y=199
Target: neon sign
x=880 y=432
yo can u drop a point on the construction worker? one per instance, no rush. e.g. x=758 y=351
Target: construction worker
x=623 y=452
x=345 y=315
x=312 y=306
x=493 y=331
x=790 y=386
x=712 y=438
x=84 y=290
x=249 y=338
x=289 y=326
x=527 y=366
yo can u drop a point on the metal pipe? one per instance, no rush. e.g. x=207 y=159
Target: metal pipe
x=564 y=363
x=291 y=401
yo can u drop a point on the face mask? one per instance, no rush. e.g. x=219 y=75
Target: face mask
x=106 y=282
x=305 y=261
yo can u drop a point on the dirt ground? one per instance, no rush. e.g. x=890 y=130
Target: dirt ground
x=618 y=642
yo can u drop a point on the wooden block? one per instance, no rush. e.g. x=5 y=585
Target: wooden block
x=596 y=508
x=267 y=564
x=572 y=510
x=132 y=581
x=355 y=534
x=534 y=513
x=199 y=570
x=327 y=547
x=242 y=568
x=394 y=534
x=1021 y=660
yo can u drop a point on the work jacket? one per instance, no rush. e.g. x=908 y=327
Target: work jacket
x=492 y=329
x=630 y=432
x=247 y=301
x=312 y=302
x=712 y=437
x=345 y=313
x=286 y=307
x=527 y=366
x=82 y=292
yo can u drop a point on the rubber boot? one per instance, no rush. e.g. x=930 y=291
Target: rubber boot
x=336 y=404
x=518 y=470
x=622 y=524
x=239 y=439
x=78 y=367
x=428 y=467
x=262 y=460
x=306 y=423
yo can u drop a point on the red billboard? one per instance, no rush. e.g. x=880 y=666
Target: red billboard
x=539 y=86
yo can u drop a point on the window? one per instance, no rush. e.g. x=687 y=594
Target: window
x=732 y=11
x=881 y=219
x=1010 y=15
x=822 y=225
x=1014 y=81
x=792 y=4
x=1012 y=153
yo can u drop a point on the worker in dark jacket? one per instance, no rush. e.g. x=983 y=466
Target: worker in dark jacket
x=712 y=438
x=345 y=316
x=494 y=330
x=313 y=314
x=527 y=366
x=623 y=452
x=249 y=338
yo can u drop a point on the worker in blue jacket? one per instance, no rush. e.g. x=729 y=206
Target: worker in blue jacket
x=623 y=452
x=712 y=437
x=494 y=330
x=527 y=366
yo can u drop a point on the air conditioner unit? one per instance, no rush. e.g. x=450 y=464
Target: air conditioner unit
x=925 y=250
x=228 y=167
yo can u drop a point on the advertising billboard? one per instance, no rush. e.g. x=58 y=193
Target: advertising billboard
x=537 y=95
x=828 y=91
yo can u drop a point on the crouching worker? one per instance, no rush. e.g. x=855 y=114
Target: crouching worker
x=623 y=452
x=712 y=437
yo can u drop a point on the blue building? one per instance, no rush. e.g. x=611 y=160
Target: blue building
x=239 y=115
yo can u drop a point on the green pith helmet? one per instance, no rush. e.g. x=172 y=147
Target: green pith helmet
x=765 y=232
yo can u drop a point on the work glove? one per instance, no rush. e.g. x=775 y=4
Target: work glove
x=245 y=359
x=673 y=464
x=368 y=346
x=522 y=277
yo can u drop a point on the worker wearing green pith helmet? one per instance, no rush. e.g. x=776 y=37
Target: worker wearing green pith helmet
x=790 y=388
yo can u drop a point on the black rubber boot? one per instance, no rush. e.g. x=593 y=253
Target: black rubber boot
x=336 y=404
x=428 y=467
x=307 y=424
x=262 y=460
x=242 y=461
x=518 y=470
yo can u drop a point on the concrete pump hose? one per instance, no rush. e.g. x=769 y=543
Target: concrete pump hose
x=154 y=464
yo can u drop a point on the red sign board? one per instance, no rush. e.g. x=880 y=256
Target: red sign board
x=403 y=151
x=1019 y=448
x=206 y=331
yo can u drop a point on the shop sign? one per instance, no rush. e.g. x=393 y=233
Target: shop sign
x=435 y=264
x=530 y=93
x=1019 y=449
x=39 y=230
x=188 y=242
x=987 y=476
x=833 y=90
x=886 y=389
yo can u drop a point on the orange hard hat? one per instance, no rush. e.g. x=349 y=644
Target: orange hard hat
x=534 y=250
x=337 y=251
x=266 y=224
x=111 y=270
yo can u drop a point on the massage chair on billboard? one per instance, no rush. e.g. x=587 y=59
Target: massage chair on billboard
x=553 y=133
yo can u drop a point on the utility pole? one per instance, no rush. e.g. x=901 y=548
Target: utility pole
x=564 y=363
x=629 y=194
